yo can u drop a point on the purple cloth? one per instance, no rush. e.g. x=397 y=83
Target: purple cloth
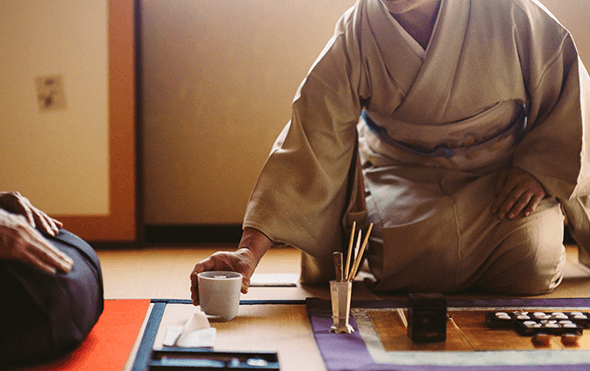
x=348 y=352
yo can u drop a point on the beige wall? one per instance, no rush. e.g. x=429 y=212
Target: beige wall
x=575 y=16
x=219 y=78
x=58 y=159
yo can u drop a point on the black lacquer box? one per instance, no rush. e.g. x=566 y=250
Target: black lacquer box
x=427 y=318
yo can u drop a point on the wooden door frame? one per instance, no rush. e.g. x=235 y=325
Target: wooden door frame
x=123 y=222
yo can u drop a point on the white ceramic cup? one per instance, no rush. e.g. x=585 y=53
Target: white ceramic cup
x=219 y=293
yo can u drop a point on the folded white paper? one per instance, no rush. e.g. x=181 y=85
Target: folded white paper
x=196 y=333
x=197 y=321
x=204 y=338
x=172 y=335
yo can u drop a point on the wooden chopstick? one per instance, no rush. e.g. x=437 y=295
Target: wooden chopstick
x=359 y=257
x=350 y=243
x=402 y=316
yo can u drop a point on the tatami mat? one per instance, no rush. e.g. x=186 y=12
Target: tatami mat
x=163 y=272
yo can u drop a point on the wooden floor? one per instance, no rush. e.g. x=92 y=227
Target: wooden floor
x=163 y=272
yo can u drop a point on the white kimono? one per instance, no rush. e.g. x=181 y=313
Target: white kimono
x=500 y=85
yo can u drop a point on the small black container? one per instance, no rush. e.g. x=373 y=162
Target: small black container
x=427 y=318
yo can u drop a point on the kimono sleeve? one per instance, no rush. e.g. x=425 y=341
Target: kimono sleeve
x=302 y=191
x=555 y=147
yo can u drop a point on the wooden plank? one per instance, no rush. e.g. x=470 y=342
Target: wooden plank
x=472 y=334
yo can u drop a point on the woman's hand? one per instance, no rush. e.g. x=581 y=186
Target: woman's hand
x=20 y=241
x=516 y=191
x=15 y=203
x=244 y=260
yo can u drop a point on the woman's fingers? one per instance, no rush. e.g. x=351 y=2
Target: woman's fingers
x=517 y=192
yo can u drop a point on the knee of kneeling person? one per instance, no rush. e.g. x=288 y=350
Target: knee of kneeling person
x=540 y=271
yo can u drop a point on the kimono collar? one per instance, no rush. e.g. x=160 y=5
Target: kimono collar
x=399 y=58
x=415 y=45
x=427 y=82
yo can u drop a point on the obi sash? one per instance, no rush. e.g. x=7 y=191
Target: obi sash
x=481 y=143
x=516 y=128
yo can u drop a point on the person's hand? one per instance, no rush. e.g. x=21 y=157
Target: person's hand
x=20 y=241
x=241 y=261
x=15 y=203
x=516 y=191
x=244 y=260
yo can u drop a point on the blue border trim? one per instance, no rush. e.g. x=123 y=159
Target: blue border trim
x=144 y=352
